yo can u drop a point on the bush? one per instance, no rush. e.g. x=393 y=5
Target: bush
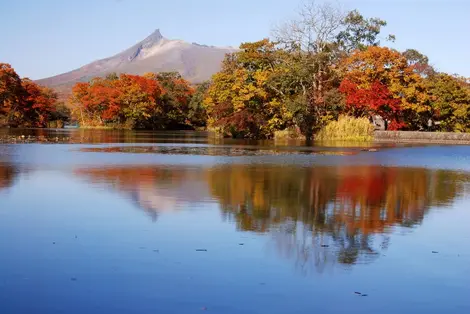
x=347 y=129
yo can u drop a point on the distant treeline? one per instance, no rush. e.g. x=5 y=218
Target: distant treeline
x=318 y=67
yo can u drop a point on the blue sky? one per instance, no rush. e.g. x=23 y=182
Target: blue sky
x=41 y=38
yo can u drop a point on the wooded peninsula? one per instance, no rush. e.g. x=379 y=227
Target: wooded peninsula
x=322 y=72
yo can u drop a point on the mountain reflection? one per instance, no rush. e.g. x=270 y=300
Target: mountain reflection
x=316 y=216
x=153 y=189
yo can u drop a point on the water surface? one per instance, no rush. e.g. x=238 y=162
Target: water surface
x=141 y=222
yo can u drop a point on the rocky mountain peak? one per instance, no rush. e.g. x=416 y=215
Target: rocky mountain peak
x=155 y=37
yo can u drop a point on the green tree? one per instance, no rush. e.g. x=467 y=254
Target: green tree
x=419 y=62
x=197 y=112
x=359 y=32
x=450 y=102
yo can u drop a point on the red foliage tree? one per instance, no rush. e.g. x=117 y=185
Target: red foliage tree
x=10 y=91
x=23 y=102
x=375 y=100
x=37 y=105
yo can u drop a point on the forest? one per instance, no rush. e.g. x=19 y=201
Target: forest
x=321 y=66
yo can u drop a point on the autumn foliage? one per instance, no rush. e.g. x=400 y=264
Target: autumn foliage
x=321 y=66
x=151 y=101
x=374 y=100
x=23 y=102
x=240 y=101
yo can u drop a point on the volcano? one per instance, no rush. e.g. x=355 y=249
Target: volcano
x=193 y=61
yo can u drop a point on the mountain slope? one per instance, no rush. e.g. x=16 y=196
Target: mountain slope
x=155 y=53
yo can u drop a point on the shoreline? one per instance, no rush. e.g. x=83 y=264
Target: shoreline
x=378 y=137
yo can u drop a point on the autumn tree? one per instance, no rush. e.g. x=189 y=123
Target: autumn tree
x=38 y=104
x=375 y=99
x=401 y=97
x=240 y=100
x=23 y=102
x=96 y=102
x=316 y=41
x=151 y=101
x=138 y=101
x=176 y=96
x=10 y=93
x=450 y=102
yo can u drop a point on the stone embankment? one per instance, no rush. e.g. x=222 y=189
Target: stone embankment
x=422 y=137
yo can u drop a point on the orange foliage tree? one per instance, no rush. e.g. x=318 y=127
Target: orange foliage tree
x=23 y=102
x=38 y=104
x=10 y=92
x=379 y=80
x=151 y=101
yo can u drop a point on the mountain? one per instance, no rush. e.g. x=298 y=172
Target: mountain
x=155 y=53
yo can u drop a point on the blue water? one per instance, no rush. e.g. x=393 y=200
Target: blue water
x=233 y=231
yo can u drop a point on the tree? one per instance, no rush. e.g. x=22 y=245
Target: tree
x=10 y=93
x=240 y=100
x=450 y=102
x=418 y=62
x=23 y=102
x=151 y=101
x=38 y=104
x=309 y=73
x=138 y=100
x=388 y=68
x=359 y=32
x=370 y=101
x=197 y=112
x=177 y=93
x=96 y=102
x=316 y=42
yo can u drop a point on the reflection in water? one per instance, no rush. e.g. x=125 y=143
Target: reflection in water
x=322 y=215
x=95 y=136
x=7 y=175
x=317 y=216
x=153 y=189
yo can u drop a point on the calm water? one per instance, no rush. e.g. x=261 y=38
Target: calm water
x=181 y=223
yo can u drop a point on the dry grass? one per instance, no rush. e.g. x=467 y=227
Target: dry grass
x=292 y=133
x=347 y=129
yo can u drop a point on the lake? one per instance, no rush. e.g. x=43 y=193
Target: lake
x=152 y=222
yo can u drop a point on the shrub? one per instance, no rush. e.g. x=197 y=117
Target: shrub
x=347 y=129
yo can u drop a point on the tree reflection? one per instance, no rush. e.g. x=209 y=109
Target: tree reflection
x=323 y=215
x=7 y=175
x=317 y=216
